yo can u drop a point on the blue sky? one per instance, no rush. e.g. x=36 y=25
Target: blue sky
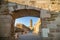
x=26 y=20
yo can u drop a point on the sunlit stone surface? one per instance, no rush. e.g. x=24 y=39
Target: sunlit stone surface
x=44 y=4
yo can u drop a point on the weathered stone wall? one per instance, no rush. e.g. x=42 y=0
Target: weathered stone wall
x=5 y=26
x=54 y=27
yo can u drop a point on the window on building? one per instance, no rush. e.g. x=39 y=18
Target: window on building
x=53 y=2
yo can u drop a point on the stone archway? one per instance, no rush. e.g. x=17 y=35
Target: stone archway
x=26 y=12
x=16 y=14
x=8 y=21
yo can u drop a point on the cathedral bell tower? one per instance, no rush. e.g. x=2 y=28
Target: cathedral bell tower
x=31 y=24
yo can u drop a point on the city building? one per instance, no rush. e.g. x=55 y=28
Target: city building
x=31 y=24
x=23 y=27
x=37 y=26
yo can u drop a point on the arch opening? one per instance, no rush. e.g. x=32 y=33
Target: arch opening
x=27 y=25
x=27 y=13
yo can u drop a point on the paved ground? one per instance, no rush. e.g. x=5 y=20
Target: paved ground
x=29 y=37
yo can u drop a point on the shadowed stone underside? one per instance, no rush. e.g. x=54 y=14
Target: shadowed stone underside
x=26 y=12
